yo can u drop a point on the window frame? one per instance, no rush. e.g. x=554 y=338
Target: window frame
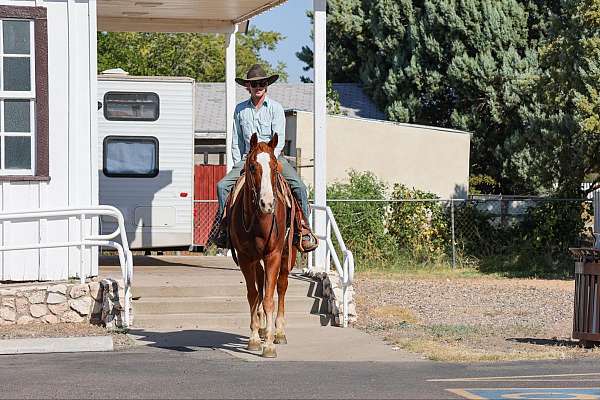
x=39 y=124
x=154 y=172
x=117 y=92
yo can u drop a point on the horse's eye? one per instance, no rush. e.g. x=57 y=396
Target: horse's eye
x=252 y=168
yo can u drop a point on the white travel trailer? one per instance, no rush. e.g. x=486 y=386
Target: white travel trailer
x=146 y=157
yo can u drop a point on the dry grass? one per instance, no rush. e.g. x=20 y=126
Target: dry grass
x=395 y=313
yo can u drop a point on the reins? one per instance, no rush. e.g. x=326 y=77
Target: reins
x=280 y=191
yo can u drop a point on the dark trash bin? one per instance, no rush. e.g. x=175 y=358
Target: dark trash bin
x=586 y=311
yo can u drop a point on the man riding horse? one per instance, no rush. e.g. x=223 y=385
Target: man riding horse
x=264 y=116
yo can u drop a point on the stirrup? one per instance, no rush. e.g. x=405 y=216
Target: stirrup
x=311 y=238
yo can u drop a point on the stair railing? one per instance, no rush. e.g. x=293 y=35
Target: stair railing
x=345 y=268
x=125 y=256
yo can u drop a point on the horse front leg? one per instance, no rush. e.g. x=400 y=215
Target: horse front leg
x=282 y=284
x=249 y=272
x=272 y=266
x=260 y=282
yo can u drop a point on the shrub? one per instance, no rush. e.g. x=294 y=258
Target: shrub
x=362 y=224
x=420 y=227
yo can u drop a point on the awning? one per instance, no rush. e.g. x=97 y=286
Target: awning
x=208 y=16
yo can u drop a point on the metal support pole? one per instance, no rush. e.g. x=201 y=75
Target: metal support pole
x=320 y=128
x=229 y=91
x=453 y=234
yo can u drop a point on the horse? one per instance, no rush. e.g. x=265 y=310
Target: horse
x=260 y=232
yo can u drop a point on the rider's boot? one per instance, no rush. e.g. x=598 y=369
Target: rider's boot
x=221 y=238
x=305 y=240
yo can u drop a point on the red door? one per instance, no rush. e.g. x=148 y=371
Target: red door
x=206 y=178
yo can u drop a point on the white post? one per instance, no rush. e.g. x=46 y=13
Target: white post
x=320 y=128
x=230 y=90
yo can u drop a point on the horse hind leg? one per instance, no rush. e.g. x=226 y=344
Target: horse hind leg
x=282 y=284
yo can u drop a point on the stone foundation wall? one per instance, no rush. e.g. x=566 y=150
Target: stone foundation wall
x=95 y=301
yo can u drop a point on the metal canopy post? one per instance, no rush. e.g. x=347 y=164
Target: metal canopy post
x=320 y=129
x=230 y=91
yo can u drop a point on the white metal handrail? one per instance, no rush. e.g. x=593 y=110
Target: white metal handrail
x=125 y=256
x=345 y=269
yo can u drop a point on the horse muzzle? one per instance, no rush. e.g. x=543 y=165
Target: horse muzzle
x=267 y=206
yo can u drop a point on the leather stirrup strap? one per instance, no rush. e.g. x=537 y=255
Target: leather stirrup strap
x=291 y=237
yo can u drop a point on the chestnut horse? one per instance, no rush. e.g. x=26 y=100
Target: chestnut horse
x=258 y=230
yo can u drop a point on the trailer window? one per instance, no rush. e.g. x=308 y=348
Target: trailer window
x=130 y=157
x=131 y=106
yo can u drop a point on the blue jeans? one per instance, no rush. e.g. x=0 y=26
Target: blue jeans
x=298 y=187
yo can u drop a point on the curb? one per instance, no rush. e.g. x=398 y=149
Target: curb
x=56 y=345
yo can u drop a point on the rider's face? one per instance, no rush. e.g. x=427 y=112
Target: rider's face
x=257 y=89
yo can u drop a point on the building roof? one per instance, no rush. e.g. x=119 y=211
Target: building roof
x=210 y=102
x=208 y=16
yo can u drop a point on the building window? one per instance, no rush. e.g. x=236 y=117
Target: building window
x=131 y=106
x=130 y=156
x=23 y=93
x=17 y=107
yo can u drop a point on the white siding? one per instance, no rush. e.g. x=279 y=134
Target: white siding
x=72 y=137
x=175 y=132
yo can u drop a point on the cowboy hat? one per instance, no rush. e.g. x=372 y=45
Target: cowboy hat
x=257 y=73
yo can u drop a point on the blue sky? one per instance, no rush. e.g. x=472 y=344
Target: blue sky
x=290 y=20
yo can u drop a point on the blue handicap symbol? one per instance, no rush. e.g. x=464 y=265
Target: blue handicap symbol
x=530 y=393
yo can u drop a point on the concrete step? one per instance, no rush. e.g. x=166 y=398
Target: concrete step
x=211 y=290
x=220 y=322
x=216 y=305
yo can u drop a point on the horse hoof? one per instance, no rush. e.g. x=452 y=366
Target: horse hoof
x=262 y=333
x=254 y=345
x=280 y=339
x=269 y=352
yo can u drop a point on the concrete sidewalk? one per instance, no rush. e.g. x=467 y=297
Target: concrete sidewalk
x=188 y=303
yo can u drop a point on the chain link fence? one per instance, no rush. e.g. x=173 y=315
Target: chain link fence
x=518 y=236
x=509 y=235
x=205 y=221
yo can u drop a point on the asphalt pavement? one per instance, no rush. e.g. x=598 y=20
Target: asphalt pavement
x=184 y=372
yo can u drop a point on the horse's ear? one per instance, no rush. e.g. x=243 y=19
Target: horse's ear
x=274 y=140
x=253 y=140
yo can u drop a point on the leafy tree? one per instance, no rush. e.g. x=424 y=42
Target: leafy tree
x=345 y=22
x=566 y=124
x=199 y=56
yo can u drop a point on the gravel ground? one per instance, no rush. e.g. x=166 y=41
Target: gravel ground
x=470 y=319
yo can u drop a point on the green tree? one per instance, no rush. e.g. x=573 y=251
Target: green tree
x=199 y=56
x=345 y=22
x=563 y=122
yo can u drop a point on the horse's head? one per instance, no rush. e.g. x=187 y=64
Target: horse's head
x=261 y=167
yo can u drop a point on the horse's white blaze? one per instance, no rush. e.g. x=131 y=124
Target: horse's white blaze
x=266 y=189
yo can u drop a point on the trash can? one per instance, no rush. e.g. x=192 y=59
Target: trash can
x=586 y=311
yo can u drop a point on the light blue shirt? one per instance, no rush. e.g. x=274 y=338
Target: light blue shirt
x=265 y=121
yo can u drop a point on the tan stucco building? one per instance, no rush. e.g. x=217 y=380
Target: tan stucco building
x=427 y=158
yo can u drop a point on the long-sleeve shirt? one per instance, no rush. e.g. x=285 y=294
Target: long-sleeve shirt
x=265 y=121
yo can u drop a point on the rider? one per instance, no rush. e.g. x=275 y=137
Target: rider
x=264 y=116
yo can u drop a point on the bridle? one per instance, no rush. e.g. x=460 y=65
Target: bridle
x=256 y=196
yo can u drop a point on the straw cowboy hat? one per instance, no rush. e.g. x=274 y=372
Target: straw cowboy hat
x=257 y=73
